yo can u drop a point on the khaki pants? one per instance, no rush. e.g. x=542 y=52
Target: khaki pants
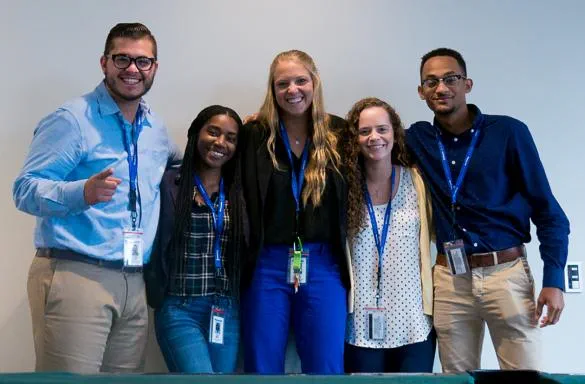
x=86 y=318
x=501 y=296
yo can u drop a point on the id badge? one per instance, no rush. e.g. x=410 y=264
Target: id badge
x=375 y=323
x=216 y=325
x=133 y=248
x=456 y=258
x=303 y=273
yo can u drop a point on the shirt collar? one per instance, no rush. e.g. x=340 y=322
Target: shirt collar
x=477 y=121
x=108 y=106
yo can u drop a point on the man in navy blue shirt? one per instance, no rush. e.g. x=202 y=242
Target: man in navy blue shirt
x=487 y=182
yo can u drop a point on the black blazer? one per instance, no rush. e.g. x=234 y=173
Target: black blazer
x=257 y=169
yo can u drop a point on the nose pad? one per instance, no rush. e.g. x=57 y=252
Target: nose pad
x=132 y=68
x=441 y=87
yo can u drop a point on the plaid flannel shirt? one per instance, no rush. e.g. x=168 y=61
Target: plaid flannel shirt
x=195 y=274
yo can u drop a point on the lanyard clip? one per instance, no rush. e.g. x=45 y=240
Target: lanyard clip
x=297 y=254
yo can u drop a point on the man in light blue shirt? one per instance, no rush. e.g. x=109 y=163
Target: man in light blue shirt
x=92 y=179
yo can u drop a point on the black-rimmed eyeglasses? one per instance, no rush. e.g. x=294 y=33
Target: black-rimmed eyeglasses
x=449 y=81
x=143 y=63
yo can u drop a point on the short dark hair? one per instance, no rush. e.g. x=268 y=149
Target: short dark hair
x=444 y=52
x=133 y=31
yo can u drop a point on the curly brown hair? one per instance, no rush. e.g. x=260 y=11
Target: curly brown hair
x=354 y=161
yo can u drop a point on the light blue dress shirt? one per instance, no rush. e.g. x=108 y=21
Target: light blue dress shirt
x=81 y=138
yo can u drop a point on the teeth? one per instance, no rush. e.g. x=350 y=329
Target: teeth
x=295 y=100
x=130 y=81
x=217 y=154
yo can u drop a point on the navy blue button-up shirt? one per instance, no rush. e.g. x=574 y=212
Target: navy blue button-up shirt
x=505 y=186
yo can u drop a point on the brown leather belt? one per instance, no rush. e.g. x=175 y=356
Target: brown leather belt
x=65 y=254
x=488 y=259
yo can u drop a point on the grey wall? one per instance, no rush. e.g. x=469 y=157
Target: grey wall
x=525 y=57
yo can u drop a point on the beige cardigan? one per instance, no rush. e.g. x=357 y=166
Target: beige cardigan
x=426 y=273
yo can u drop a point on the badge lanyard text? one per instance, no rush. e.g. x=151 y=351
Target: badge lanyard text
x=297 y=186
x=380 y=241
x=131 y=146
x=217 y=215
x=454 y=189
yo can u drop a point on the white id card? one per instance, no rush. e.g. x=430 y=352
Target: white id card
x=456 y=258
x=133 y=248
x=216 y=325
x=376 y=323
x=304 y=269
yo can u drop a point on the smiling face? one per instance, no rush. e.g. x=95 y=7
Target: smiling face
x=217 y=141
x=293 y=87
x=130 y=84
x=444 y=99
x=375 y=134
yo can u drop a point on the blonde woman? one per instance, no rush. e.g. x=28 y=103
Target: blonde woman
x=296 y=274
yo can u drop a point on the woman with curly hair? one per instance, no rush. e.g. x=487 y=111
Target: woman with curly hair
x=390 y=325
x=296 y=273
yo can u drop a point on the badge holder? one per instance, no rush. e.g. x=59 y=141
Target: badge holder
x=133 y=247
x=298 y=263
x=375 y=323
x=216 y=325
x=456 y=258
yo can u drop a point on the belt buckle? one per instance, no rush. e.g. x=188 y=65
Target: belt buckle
x=495 y=256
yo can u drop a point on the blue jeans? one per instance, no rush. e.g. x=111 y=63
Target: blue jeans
x=318 y=313
x=182 y=331
x=412 y=358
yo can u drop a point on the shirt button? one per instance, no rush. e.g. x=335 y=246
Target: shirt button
x=453 y=162
x=475 y=244
x=455 y=139
x=464 y=230
x=458 y=208
x=472 y=130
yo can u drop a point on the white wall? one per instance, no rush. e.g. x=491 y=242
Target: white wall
x=525 y=57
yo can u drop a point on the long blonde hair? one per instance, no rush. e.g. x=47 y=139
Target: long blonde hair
x=323 y=140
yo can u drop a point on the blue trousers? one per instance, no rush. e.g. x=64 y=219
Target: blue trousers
x=182 y=331
x=318 y=313
x=413 y=358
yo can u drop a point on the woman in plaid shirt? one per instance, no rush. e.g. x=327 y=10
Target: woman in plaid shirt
x=193 y=281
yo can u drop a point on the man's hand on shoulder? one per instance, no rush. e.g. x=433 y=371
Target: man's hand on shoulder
x=100 y=187
x=552 y=298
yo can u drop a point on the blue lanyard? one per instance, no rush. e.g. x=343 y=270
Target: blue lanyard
x=297 y=181
x=454 y=189
x=380 y=242
x=131 y=146
x=217 y=216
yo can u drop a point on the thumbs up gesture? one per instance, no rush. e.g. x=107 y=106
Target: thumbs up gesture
x=100 y=187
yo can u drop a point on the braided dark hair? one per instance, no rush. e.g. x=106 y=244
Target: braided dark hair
x=232 y=182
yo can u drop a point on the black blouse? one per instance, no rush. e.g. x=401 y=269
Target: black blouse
x=316 y=224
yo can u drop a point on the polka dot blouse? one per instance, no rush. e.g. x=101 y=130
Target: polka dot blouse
x=405 y=322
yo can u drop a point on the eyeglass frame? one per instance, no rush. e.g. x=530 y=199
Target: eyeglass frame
x=152 y=60
x=456 y=76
